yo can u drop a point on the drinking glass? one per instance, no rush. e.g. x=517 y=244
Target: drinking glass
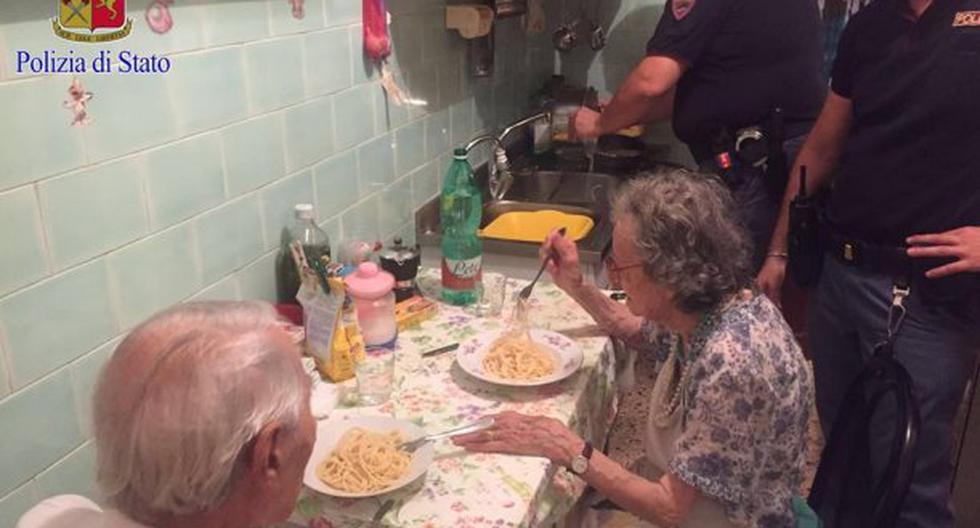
x=493 y=291
x=375 y=376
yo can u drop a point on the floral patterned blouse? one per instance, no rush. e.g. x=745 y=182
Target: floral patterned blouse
x=747 y=409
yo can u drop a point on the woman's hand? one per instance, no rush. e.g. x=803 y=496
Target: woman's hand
x=564 y=268
x=963 y=244
x=771 y=277
x=519 y=434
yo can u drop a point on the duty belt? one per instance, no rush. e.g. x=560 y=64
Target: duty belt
x=875 y=258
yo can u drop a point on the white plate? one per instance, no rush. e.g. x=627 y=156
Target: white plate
x=567 y=353
x=328 y=433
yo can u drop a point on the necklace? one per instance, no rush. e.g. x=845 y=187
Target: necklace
x=675 y=374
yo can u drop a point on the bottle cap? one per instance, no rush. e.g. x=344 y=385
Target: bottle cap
x=459 y=153
x=369 y=281
x=304 y=211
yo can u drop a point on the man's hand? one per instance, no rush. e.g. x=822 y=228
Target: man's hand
x=584 y=124
x=771 y=277
x=963 y=244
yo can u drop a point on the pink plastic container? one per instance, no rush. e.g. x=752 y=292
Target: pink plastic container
x=374 y=300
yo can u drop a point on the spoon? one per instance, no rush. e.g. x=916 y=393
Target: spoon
x=526 y=291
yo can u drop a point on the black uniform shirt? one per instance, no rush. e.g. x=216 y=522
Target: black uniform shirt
x=745 y=58
x=911 y=163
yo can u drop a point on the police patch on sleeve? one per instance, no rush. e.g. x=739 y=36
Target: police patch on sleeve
x=681 y=8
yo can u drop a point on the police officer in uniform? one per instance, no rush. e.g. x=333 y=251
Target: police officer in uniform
x=720 y=68
x=900 y=133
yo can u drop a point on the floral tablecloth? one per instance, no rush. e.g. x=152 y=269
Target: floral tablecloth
x=471 y=490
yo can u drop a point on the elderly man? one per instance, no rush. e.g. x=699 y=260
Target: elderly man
x=202 y=419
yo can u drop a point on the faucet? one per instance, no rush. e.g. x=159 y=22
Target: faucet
x=500 y=178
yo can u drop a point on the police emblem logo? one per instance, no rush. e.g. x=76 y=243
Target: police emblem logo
x=92 y=20
x=967 y=19
x=681 y=8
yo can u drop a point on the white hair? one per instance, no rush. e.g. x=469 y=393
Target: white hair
x=181 y=399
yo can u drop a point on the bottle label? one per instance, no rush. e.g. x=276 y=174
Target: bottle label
x=461 y=274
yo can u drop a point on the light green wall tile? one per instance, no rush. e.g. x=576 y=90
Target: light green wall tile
x=283 y=21
x=253 y=153
x=406 y=35
x=450 y=80
x=436 y=134
x=75 y=303
x=114 y=130
x=396 y=209
x=84 y=375
x=187 y=32
x=388 y=114
x=258 y=280
x=17 y=503
x=327 y=57
x=46 y=430
x=332 y=229
x=208 y=89
x=423 y=84
x=48 y=145
x=224 y=290
x=335 y=180
x=364 y=69
x=20 y=229
x=340 y=12
x=354 y=115
x=229 y=237
x=461 y=115
x=309 y=133
x=425 y=183
x=4 y=374
x=94 y=210
x=153 y=274
x=410 y=147
x=275 y=73
x=228 y=22
x=72 y=475
x=183 y=179
x=362 y=221
x=278 y=201
x=376 y=162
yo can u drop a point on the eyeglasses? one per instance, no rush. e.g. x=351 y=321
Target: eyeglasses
x=615 y=271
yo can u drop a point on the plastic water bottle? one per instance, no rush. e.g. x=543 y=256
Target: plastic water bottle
x=461 y=206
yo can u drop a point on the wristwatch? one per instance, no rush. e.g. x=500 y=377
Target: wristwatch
x=580 y=464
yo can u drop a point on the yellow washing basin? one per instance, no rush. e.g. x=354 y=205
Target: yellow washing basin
x=534 y=226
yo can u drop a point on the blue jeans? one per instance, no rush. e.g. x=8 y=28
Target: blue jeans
x=937 y=345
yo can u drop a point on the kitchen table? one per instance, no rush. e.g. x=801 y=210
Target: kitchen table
x=470 y=490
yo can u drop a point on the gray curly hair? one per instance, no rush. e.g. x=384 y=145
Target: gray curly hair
x=688 y=234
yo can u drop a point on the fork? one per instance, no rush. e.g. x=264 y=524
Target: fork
x=478 y=425
x=526 y=291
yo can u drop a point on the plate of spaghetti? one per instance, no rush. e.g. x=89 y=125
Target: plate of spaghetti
x=520 y=358
x=359 y=456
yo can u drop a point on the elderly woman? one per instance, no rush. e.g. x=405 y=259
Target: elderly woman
x=202 y=420
x=726 y=432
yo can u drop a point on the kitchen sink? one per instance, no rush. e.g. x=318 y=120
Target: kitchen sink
x=584 y=189
x=579 y=193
